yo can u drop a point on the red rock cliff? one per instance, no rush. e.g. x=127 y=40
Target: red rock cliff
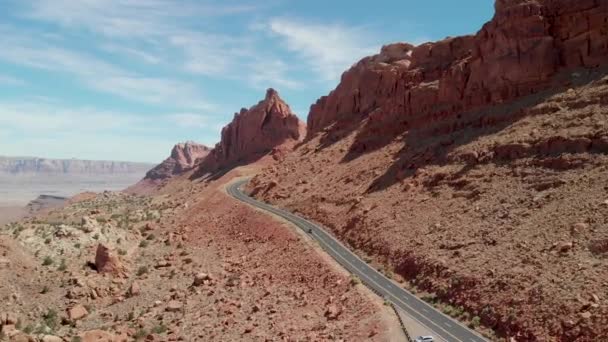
x=184 y=156
x=517 y=53
x=254 y=132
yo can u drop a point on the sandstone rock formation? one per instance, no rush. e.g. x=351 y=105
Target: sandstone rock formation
x=517 y=53
x=184 y=156
x=254 y=132
x=108 y=262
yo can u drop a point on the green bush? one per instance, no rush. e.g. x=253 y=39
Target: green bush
x=475 y=322
x=50 y=319
x=159 y=329
x=62 y=266
x=141 y=333
x=142 y=270
x=47 y=261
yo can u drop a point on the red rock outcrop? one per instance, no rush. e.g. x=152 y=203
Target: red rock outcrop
x=254 y=132
x=107 y=261
x=184 y=156
x=517 y=53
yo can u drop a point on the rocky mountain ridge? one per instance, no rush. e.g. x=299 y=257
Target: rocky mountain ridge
x=436 y=88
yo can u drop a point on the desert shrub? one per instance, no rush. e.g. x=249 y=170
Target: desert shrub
x=141 y=333
x=47 y=261
x=50 y=319
x=159 y=329
x=142 y=270
x=475 y=322
x=62 y=266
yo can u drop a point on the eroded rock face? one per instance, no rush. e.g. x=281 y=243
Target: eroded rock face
x=254 y=132
x=184 y=156
x=516 y=54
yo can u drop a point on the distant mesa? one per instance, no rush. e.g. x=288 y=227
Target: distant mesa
x=184 y=157
x=42 y=166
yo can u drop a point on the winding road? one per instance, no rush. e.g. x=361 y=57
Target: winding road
x=441 y=325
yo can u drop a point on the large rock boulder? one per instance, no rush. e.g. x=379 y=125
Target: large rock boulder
x=107 y=261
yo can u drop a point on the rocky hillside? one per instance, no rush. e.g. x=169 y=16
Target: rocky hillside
x=184 y=156
x=473 y=169
x=41 y=166
x=255 y=132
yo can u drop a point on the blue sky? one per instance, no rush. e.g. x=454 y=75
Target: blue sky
x=127 y=79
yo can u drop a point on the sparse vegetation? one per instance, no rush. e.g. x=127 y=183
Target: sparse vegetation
x=475 y=322
x=47 y=261
x=50 y=319
x=45 y=289
x=62 y=266
x=141 y=333
x=144 y=244
x=142 y=270
x=354 y=280
x=159 y=329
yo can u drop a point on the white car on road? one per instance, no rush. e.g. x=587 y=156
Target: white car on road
x=424 y=339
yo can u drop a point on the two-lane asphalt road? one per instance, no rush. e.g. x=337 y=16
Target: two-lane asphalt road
x=442 y=325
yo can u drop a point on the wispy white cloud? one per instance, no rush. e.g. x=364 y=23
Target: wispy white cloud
x=138 y=54
x=328 y=49
x=190 y=120
x=100 y=75
x=268 y=73
x=128 y=18
x=11 y=81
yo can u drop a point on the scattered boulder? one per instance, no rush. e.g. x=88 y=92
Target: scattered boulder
x=88 y=224
x=134 y=289
x=564 y=247
x=51 y=338
x=77 y=312
x=200 y=278
x=333 y=312
x=174 y=306
x=8 y=318
x=108 y=262
x=97 y=336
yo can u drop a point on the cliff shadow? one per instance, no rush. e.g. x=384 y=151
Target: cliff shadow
x=430 y=145
x=203 y=175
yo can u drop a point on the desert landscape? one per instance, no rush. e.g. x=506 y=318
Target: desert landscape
x=454 y=189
